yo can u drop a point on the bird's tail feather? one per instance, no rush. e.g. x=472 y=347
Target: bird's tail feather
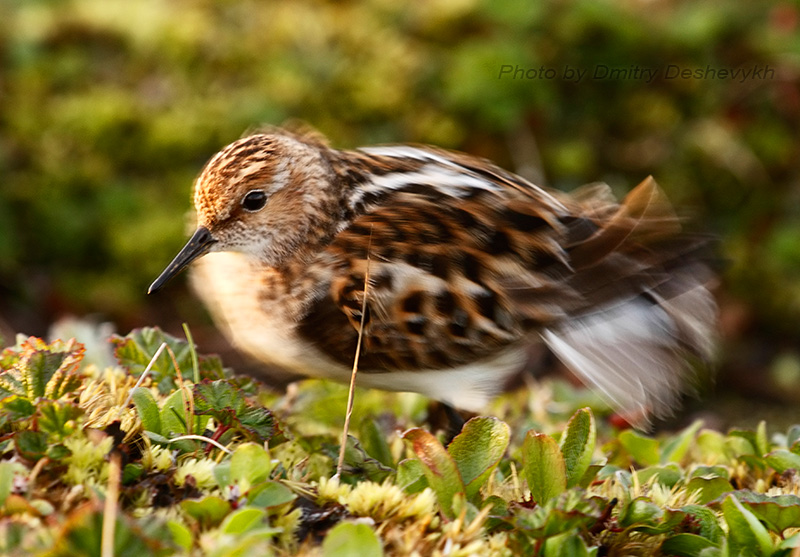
x=639 y=354
x=638 y=349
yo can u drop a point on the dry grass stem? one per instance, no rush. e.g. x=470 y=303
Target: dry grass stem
x=351 y=393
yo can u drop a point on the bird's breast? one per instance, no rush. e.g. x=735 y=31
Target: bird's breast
x=259 y=312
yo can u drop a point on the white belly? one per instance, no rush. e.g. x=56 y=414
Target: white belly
x=228 y=284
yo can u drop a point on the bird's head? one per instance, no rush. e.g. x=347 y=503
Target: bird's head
x=268 y=195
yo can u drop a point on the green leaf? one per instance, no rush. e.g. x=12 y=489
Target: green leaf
x=707 y=521
x=132 y=472
x=564 y=513
x=135 y=350
x=643 y=450
x=411 y=476
x=358 y=464
x=779 y=512
x=668 y=475
x=347 y=539
x=685 y=545
x=577 y=445
x=222 y=474
x=208 y=511
x=712 y=446
x=744 y=528
x=11 y=384
x=257 y=421
x=58 y=452
x=782 y=460
x=676 y=448
x=17 y=408
x=229 y=407
x=544 y=467
x=44 y=370
x=751 y=447
x=57 y=417
x=82 y=535
x=64 y=379
x=568 y=544
x=477 y=451
x=439 y=468
x=11 y=355
x=498 y=505
x=738 y=447
x=668 y=522
x=173 y=415
x=6 y=480
x=270 y=494
x=32 y=445
x=709 y=472
x=180 y=534
x=757 y=463
x=243 y=520
x=590 y=475
x=708 y=489
x=641 y=511
x=220 y=399
x=374 y=442
x=617 y=474
x=147 y=408
x=250 y=465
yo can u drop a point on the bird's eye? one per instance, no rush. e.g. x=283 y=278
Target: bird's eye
x=254 y=200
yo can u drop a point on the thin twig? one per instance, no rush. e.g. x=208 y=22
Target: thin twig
x=110 y=508
x=351 y=393
x=40 y=464
x=221 y=447
x=144 y=373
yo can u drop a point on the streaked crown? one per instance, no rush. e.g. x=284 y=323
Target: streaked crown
x=266 y=195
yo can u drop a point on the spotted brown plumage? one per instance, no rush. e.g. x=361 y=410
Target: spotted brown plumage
x=467 y=265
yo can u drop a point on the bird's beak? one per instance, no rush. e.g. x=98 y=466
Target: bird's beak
x=198 y=245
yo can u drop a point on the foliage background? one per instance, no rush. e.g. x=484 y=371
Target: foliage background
x=108 y=110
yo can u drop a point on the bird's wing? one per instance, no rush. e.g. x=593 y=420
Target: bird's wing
x=436 y=262
x=465 y=259
x=647 y=309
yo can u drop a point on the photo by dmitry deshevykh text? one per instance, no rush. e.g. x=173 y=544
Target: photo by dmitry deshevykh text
x=604 y=72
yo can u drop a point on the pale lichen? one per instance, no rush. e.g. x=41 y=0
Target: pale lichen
x=202 y=470
x=104 y=400
x=86 y=463
x=387 y=501
x=157 y=458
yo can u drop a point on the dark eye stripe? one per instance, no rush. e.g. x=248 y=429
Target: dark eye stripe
x=254 y=200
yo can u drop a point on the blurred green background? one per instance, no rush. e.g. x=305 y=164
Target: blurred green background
x=108 y=110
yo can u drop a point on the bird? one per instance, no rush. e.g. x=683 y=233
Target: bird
x=450 y=267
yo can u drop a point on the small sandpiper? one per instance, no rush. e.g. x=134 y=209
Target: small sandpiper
x=467 y=265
